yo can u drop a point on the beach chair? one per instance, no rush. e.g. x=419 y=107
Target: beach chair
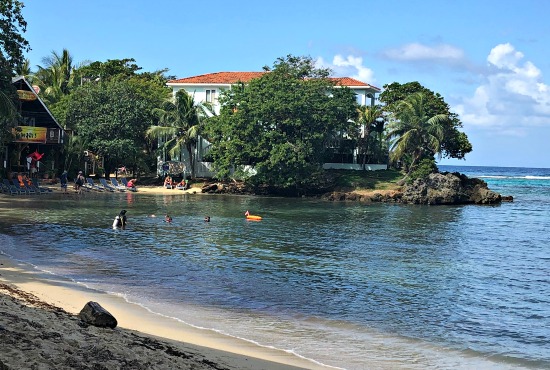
x=90 y=184
x=23 y=188
x=42 y=189
x=125 y=183
x=5 y=189
x=9 y=188
x=117 y=186
x=103 y=184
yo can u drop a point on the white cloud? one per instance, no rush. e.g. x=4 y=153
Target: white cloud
x=512 y=97
x=419 y=52
x=350 y=66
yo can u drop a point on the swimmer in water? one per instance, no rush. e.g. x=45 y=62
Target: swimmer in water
x=120 y=220
x=167 y=218
x=207 y=219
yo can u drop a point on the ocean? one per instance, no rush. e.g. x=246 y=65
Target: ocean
x=344 y=284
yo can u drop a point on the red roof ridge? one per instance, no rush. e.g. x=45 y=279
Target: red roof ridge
x=230 y=78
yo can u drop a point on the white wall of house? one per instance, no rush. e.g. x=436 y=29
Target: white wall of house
x=202 y=93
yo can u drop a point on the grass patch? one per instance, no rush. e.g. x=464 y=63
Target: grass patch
x=348 y=180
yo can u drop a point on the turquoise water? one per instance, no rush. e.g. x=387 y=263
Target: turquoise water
x=350 y=285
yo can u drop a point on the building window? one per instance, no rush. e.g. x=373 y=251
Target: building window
x=211 y=96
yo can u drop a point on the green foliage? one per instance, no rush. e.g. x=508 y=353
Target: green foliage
x=426 y=167
x=280 y=123
x=12 y=44
x=415 y=135
x=179 y=125
x=454 y=143
x=370 y=119
x=12 y=47
x=112 y=68
x=112 y=118
x=56 y=77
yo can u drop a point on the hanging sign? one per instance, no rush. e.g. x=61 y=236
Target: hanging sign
x=30 y=134
x=26 y=95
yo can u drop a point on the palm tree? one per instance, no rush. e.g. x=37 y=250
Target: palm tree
x=25 y=70
x=367 y=118
x=179 y=121
x=413 y=134
x=56 y=77
x=7 y=108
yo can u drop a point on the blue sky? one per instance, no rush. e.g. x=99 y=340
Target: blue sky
x=489 y=59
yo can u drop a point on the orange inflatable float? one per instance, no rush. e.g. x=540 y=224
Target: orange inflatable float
x=252 y=217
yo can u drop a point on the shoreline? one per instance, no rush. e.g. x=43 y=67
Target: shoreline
x=53 y=293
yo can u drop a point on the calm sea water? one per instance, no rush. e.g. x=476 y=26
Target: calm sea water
x=349 y=285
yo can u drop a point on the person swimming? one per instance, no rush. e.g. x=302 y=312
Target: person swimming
x=207 y=219
x=167 y=218
x=120 y=221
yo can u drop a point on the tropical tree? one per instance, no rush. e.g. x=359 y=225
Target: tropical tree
x=368 y=119
x=56 y=77
x=25 y=70
x=413 y=133
x=280 y=124
x=455 y=143
x=12 y=47
x=179 y=126
x=112 y=117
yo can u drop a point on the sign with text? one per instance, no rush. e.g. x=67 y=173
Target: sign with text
x=29 y=134
x=26 y=95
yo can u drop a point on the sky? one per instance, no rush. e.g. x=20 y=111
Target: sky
x=489 y=59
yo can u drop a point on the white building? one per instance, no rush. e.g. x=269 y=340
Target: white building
x=207 y=88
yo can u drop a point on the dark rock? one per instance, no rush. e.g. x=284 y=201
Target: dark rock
x=449 y=188
x=95 y=315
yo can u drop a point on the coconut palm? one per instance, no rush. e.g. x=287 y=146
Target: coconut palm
x=179 y=121
x=56 y=76
x=413 y=134
x=7 y=109
x=25 y=70
x=367 y=118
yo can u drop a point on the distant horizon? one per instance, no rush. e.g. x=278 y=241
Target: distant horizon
x=471 y=165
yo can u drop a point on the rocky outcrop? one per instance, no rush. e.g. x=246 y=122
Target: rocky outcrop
x=449 y=188
x=437 y=188
x=226 y=188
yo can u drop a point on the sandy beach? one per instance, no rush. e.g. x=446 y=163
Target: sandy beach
x=40 y=327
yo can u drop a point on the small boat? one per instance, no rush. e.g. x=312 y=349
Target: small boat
x=252 y=217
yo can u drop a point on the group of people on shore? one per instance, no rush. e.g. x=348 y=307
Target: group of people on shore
x=169 y=183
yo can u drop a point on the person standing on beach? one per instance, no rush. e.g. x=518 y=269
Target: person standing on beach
x=78 y=182
x=63 y=181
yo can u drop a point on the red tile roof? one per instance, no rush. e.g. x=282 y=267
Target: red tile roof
x=230 y=78
x=348 y=81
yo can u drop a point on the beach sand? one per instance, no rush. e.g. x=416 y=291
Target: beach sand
x=40 y=329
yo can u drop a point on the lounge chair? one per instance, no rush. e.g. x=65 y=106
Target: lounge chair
x=23 y=188
x=103 y=184
x=37 y=189
x=42 y=189
x=117 y=186
x=125 y=183
x=10 y=188
x=90 y=184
